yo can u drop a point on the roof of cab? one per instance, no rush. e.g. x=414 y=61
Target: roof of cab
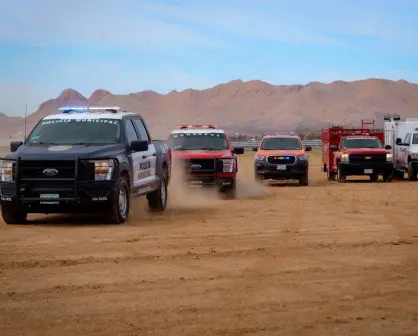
x=281 y=136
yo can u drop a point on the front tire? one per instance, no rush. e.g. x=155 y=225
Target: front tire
x=304 y=179
x=231 y=192
x=157 y=200
x=388 y=177
x=412 y=173
x=12 y=216
x=341 y=177
x=119 y=212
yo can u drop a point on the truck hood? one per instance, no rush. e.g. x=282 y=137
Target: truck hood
x=201 y=154
x=365 y=151
x=66 y=152
x=280 y=152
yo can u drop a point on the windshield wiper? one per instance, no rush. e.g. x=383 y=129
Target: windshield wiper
x=43 y=143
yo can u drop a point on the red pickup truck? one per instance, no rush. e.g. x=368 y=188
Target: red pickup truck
x=360 y=151
x=207 y=156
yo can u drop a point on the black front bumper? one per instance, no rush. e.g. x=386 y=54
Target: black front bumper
x=70 y=194
x=366 y=168
x=266 y=170
x=210 y=181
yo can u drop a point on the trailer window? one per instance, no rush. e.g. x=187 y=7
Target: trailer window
x=361 y=143
x=281 y=144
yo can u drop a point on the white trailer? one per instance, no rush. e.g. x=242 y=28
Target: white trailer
x=402 y=135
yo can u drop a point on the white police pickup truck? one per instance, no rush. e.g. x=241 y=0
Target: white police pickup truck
x=84 y=160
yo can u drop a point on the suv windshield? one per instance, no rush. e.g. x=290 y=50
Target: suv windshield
x=361 y=143
x=200 y=141
x=75 y=131
x=281 y=144
x=415 y=139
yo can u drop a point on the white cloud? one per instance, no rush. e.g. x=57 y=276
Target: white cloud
x=156 y=25
x=93 y=23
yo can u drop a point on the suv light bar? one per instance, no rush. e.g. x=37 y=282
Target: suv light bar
x=81 y=109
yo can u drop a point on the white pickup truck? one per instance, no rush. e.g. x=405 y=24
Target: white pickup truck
x=402 y=135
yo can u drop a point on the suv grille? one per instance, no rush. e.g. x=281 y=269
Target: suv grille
x=281 y=159
x=373 y=158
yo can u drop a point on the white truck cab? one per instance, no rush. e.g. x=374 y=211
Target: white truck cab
x=402 y=135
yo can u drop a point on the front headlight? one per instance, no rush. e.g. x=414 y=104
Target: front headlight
x=389 y=157
x=259 y=157
x=302 y=157
x=6 y=170
x=103 y=169
x=412 y=155
x=228 y=165
x=344 y=157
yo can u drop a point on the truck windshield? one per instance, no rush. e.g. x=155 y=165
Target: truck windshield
x=281 y=144
x=361 y=143
x=415 y=139
x=200 y=141
x=75 y=131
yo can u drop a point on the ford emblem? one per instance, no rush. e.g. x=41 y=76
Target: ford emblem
x=50 y=172
x=196 y=166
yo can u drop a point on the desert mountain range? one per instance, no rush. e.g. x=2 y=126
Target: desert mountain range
x=253 y=107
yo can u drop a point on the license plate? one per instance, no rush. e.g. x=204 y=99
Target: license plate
x=49 y=196
x=368 y=171
x=281 y=167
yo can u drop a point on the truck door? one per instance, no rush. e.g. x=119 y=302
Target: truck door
x=404 y=150
x=134 y=157
x=148 y=164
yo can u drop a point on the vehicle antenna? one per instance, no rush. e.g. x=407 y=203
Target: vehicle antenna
x=26 y=114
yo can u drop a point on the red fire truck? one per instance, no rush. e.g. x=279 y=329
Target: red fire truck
x=355 y=151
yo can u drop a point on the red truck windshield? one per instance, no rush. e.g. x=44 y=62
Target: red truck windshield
x=361 y=142
x=199 y=141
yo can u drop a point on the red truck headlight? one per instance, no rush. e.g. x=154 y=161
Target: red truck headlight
x=228 y=165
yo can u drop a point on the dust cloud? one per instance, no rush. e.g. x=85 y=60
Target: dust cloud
x=181 y=195
x=184 y=196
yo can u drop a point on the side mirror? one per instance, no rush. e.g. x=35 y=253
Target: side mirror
x=238 y=150
x=308 y=148
x=398 y=141
x=254 y=149
x=14 y=145
x=333 y=147
x=139 y=145
x=388 y=147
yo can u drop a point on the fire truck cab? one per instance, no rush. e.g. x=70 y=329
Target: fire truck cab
x=355 y=151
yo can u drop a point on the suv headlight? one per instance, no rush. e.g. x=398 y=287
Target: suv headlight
x=6 y=170
x=344 y=157
x=259 y=157
x=389 y=157
x=228 y=165
x=103 y=169
x=302 y=157
x=412 y=155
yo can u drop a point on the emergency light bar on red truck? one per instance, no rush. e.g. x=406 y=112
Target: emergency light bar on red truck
x=355 y=151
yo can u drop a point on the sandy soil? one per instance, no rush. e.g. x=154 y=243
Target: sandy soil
x=327 y=259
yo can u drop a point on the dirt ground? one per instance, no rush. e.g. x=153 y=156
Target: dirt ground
x=327 y=259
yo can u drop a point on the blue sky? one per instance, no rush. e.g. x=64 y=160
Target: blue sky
x=127 y=46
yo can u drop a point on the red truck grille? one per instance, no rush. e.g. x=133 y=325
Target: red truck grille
x=372 y=158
